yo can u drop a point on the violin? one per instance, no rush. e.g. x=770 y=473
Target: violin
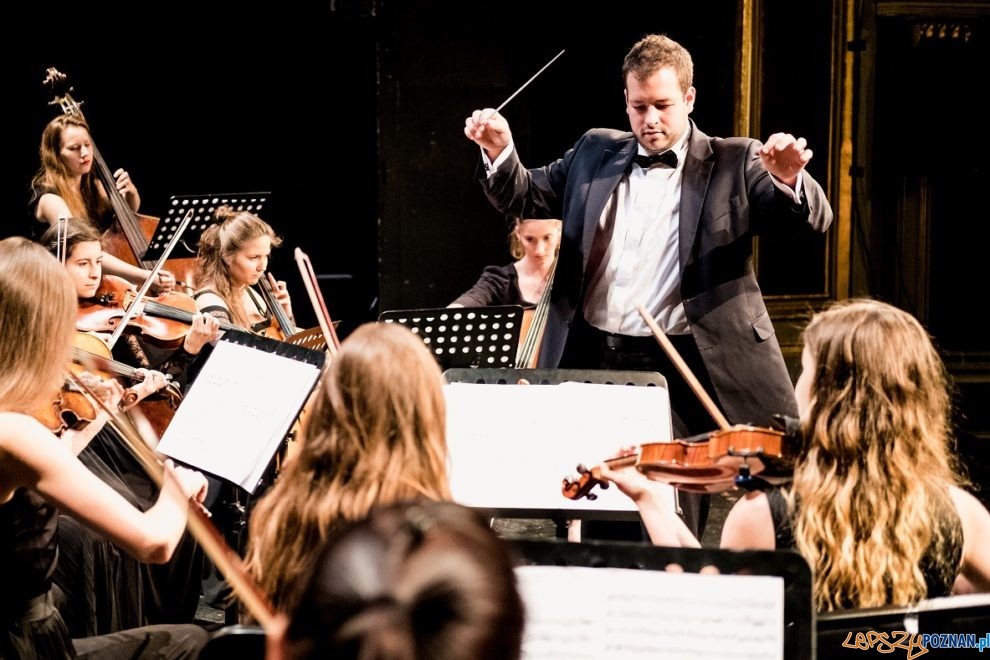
x=743 y=456
x=90 y=354
x=164 y=319
x=733 y=455
x=70 y=409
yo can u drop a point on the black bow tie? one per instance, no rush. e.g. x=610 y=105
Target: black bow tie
x=646 y=162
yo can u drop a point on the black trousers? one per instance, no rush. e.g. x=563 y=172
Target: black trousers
x=591 y=348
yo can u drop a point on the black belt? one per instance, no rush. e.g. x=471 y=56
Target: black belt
x=619 y=342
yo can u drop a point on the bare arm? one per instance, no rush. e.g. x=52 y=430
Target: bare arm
x=975 y=566
x=32 y=457
x=749 y=525
x=664 y=526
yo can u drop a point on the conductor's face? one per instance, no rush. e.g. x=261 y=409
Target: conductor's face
x=658 y=110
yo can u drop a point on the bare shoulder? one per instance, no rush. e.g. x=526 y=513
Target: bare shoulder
x=208 y=298
x=51 y=207
x=971 y=510
x=24 y=445
x=749 y=525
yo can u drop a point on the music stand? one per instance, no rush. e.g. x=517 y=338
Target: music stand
x=202 y=207
x=790 y=567
x=465 y=336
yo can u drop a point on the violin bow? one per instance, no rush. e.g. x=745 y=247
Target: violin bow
x=316 y=300
x=685 y=370
x=199 y=525
x=61 y=239
x=130 y=312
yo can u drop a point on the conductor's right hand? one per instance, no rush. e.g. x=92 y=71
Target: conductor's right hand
x=489 y=130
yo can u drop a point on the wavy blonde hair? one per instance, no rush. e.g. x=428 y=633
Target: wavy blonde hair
x=871 y=494
x=376 y=434
x=221 y=240
x=37 y=321
x=86 y=201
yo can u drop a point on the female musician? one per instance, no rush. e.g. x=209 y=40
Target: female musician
x=85 y=262
x=103 y=589
x=876 y=505
x=442 y=584
x=39 y=475
x=233 y=257
x=375 y=435
x=66 y=186
x=533 y=244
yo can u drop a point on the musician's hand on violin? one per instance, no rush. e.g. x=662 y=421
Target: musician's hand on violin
x=630 y=481
x=489 y=130
x=109 y=390
x=203 y=329
x=164 y=282
x=151 y=382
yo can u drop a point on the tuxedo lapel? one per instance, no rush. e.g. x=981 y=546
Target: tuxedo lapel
x=694 y=186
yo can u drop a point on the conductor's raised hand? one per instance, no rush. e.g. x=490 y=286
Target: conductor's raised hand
x=785 y=156
x=489 y=130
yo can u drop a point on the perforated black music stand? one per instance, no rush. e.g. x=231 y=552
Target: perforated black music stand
x=465 y=336
x=202 y=207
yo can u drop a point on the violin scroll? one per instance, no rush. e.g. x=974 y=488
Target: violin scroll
x=574 y=488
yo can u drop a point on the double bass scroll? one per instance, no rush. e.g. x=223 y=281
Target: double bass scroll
x=128 y=240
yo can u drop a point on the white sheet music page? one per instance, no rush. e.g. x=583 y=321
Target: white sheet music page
x=237 y=411
x=576 y=613
x=510 y=446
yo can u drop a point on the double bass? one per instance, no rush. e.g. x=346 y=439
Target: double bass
x=128 y=239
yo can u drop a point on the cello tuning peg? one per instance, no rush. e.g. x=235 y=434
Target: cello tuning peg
x=591 y=496
x=582 y=469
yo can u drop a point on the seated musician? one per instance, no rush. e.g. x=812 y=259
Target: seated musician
x=877 y=505
x=101 y=589
x=40 y=476
x=233 y=257
x=533 y=244
x=65 y=186
x=412 y=580
x=375 y=434
x=85 y=262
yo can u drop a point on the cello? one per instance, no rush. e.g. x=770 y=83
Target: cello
x=129 y=238
x=533 y=325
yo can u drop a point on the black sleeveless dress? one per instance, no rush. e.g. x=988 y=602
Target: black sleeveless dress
x=937 y=582
x=32 y=627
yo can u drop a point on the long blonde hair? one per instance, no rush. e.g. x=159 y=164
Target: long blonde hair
x=221 y=240
x=871 y=494
x=84 y=202
x=37 y=321
x=376 y=434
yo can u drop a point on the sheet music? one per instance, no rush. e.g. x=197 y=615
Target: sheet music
x=237 y=411
x=511 y=446
x=576 y=612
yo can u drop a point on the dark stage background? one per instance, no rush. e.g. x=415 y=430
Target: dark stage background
x=350 y=113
